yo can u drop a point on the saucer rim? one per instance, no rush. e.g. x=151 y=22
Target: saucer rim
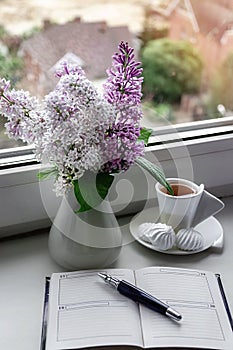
x=176 y=251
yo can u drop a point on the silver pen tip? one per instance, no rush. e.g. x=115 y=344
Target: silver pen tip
x=109 y=279
x=173 y=314
x=102 y=275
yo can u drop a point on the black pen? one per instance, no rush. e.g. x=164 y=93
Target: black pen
x=140 y=296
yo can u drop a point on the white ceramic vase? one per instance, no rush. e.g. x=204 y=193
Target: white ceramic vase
x=91 y=239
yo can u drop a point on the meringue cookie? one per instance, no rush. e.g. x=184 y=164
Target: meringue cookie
x=189 y=239
x=159 y=235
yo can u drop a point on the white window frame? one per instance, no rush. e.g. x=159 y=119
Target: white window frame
x=200 y=151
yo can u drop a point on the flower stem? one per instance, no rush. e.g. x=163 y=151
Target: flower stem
x=7 y=99
x=156 y=172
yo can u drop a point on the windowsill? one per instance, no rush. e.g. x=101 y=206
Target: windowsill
x=27 y=204
x=25 y=262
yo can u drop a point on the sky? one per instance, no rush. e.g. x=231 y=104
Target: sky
x=20 y=16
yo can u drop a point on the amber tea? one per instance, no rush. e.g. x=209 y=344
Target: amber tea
x=180 y=190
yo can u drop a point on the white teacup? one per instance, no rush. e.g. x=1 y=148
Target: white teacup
x=190 y=205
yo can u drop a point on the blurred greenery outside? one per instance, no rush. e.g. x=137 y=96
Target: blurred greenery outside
x=221 y=87
x=171 y=69
x=11 y=66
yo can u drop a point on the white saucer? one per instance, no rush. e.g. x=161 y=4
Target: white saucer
x=210 y=229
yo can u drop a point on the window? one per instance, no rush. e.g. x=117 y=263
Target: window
x=185 y=47
x=189 y=106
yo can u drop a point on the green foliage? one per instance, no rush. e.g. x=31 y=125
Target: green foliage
x=164 y=110
x=47 y=173
x=3 y=32
x=144 y=135
x=221 y=87
x=10 y=63
x=10 y=67
x=30 y=33
x=170 y=68
x=158 y=113
x=152 y=32
x=90 y=189
x=156 y=172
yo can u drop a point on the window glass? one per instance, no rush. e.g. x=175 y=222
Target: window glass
x=186 y=50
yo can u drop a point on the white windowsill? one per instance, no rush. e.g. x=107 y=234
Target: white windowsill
x=25 y=262
x=27 y=204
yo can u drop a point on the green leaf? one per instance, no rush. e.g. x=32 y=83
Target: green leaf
x=156 y=172
x=103 y=183
x=144 y=135
x=44 y=174
x=90 y=189
x=78 y=194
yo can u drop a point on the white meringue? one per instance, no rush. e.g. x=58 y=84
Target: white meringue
x=159 y=235
x=189 y=239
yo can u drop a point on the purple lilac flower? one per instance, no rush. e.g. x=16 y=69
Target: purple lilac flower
x=123 y=90
x=67 y=69
x=121 y=147
x=124 y=78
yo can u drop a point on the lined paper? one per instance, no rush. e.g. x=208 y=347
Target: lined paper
x=86 y=312
x=193 y=296
x=91 y=313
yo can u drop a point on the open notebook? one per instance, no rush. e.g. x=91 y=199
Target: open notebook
x=84 y=312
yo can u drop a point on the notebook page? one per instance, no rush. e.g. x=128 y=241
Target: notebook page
x=84 y=311
x=196 y=296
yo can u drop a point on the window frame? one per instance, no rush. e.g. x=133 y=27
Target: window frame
x=201 y=151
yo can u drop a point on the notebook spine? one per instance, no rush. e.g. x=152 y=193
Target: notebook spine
x=224 y=299
x=44 y=317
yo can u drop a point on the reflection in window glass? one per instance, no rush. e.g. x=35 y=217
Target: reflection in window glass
x=186 y=49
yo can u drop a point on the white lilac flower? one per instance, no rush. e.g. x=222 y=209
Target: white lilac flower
x=75 y=128
x=18 y=106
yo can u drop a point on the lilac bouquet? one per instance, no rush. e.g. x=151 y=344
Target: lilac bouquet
x=85 y=136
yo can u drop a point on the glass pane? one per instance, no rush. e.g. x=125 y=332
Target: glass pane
x=187 y=55
x=186 y=50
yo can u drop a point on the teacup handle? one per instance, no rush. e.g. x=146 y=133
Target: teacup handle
x=208 y=206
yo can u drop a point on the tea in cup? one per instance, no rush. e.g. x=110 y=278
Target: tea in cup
x=190 y=205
